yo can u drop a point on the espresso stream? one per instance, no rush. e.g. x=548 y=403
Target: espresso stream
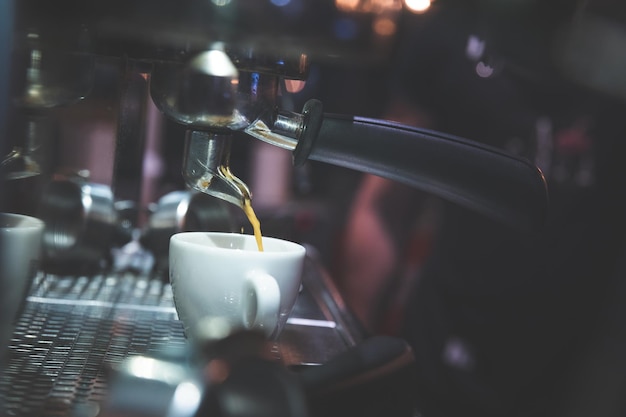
x=247 y=204
x=254 y=221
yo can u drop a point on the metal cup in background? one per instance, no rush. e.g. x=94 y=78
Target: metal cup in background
x=184 y=211
x=80 y=226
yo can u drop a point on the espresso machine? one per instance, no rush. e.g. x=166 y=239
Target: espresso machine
x=216 y=69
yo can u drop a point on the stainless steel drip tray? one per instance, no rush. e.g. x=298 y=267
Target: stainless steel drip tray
x=74 y=330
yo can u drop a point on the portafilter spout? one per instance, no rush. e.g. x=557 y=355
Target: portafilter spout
x=206 y=167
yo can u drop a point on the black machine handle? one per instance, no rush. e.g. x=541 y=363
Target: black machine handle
x=373 y=378
x=471 y=174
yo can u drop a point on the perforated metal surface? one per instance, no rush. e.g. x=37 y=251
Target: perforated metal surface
x=74 y=330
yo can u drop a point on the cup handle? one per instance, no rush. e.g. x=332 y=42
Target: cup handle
x=262 y=302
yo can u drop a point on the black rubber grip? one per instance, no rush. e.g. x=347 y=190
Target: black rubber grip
x=471 y=174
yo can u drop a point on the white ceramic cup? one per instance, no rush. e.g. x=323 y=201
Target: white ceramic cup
x=20 y=254
x=224 y=277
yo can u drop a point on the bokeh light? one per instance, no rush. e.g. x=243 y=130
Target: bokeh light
x=384 y=26
x=347 y=5
x=417 y=6
x=294 y=86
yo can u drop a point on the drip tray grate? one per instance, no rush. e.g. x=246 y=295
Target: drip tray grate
x=73 y=331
